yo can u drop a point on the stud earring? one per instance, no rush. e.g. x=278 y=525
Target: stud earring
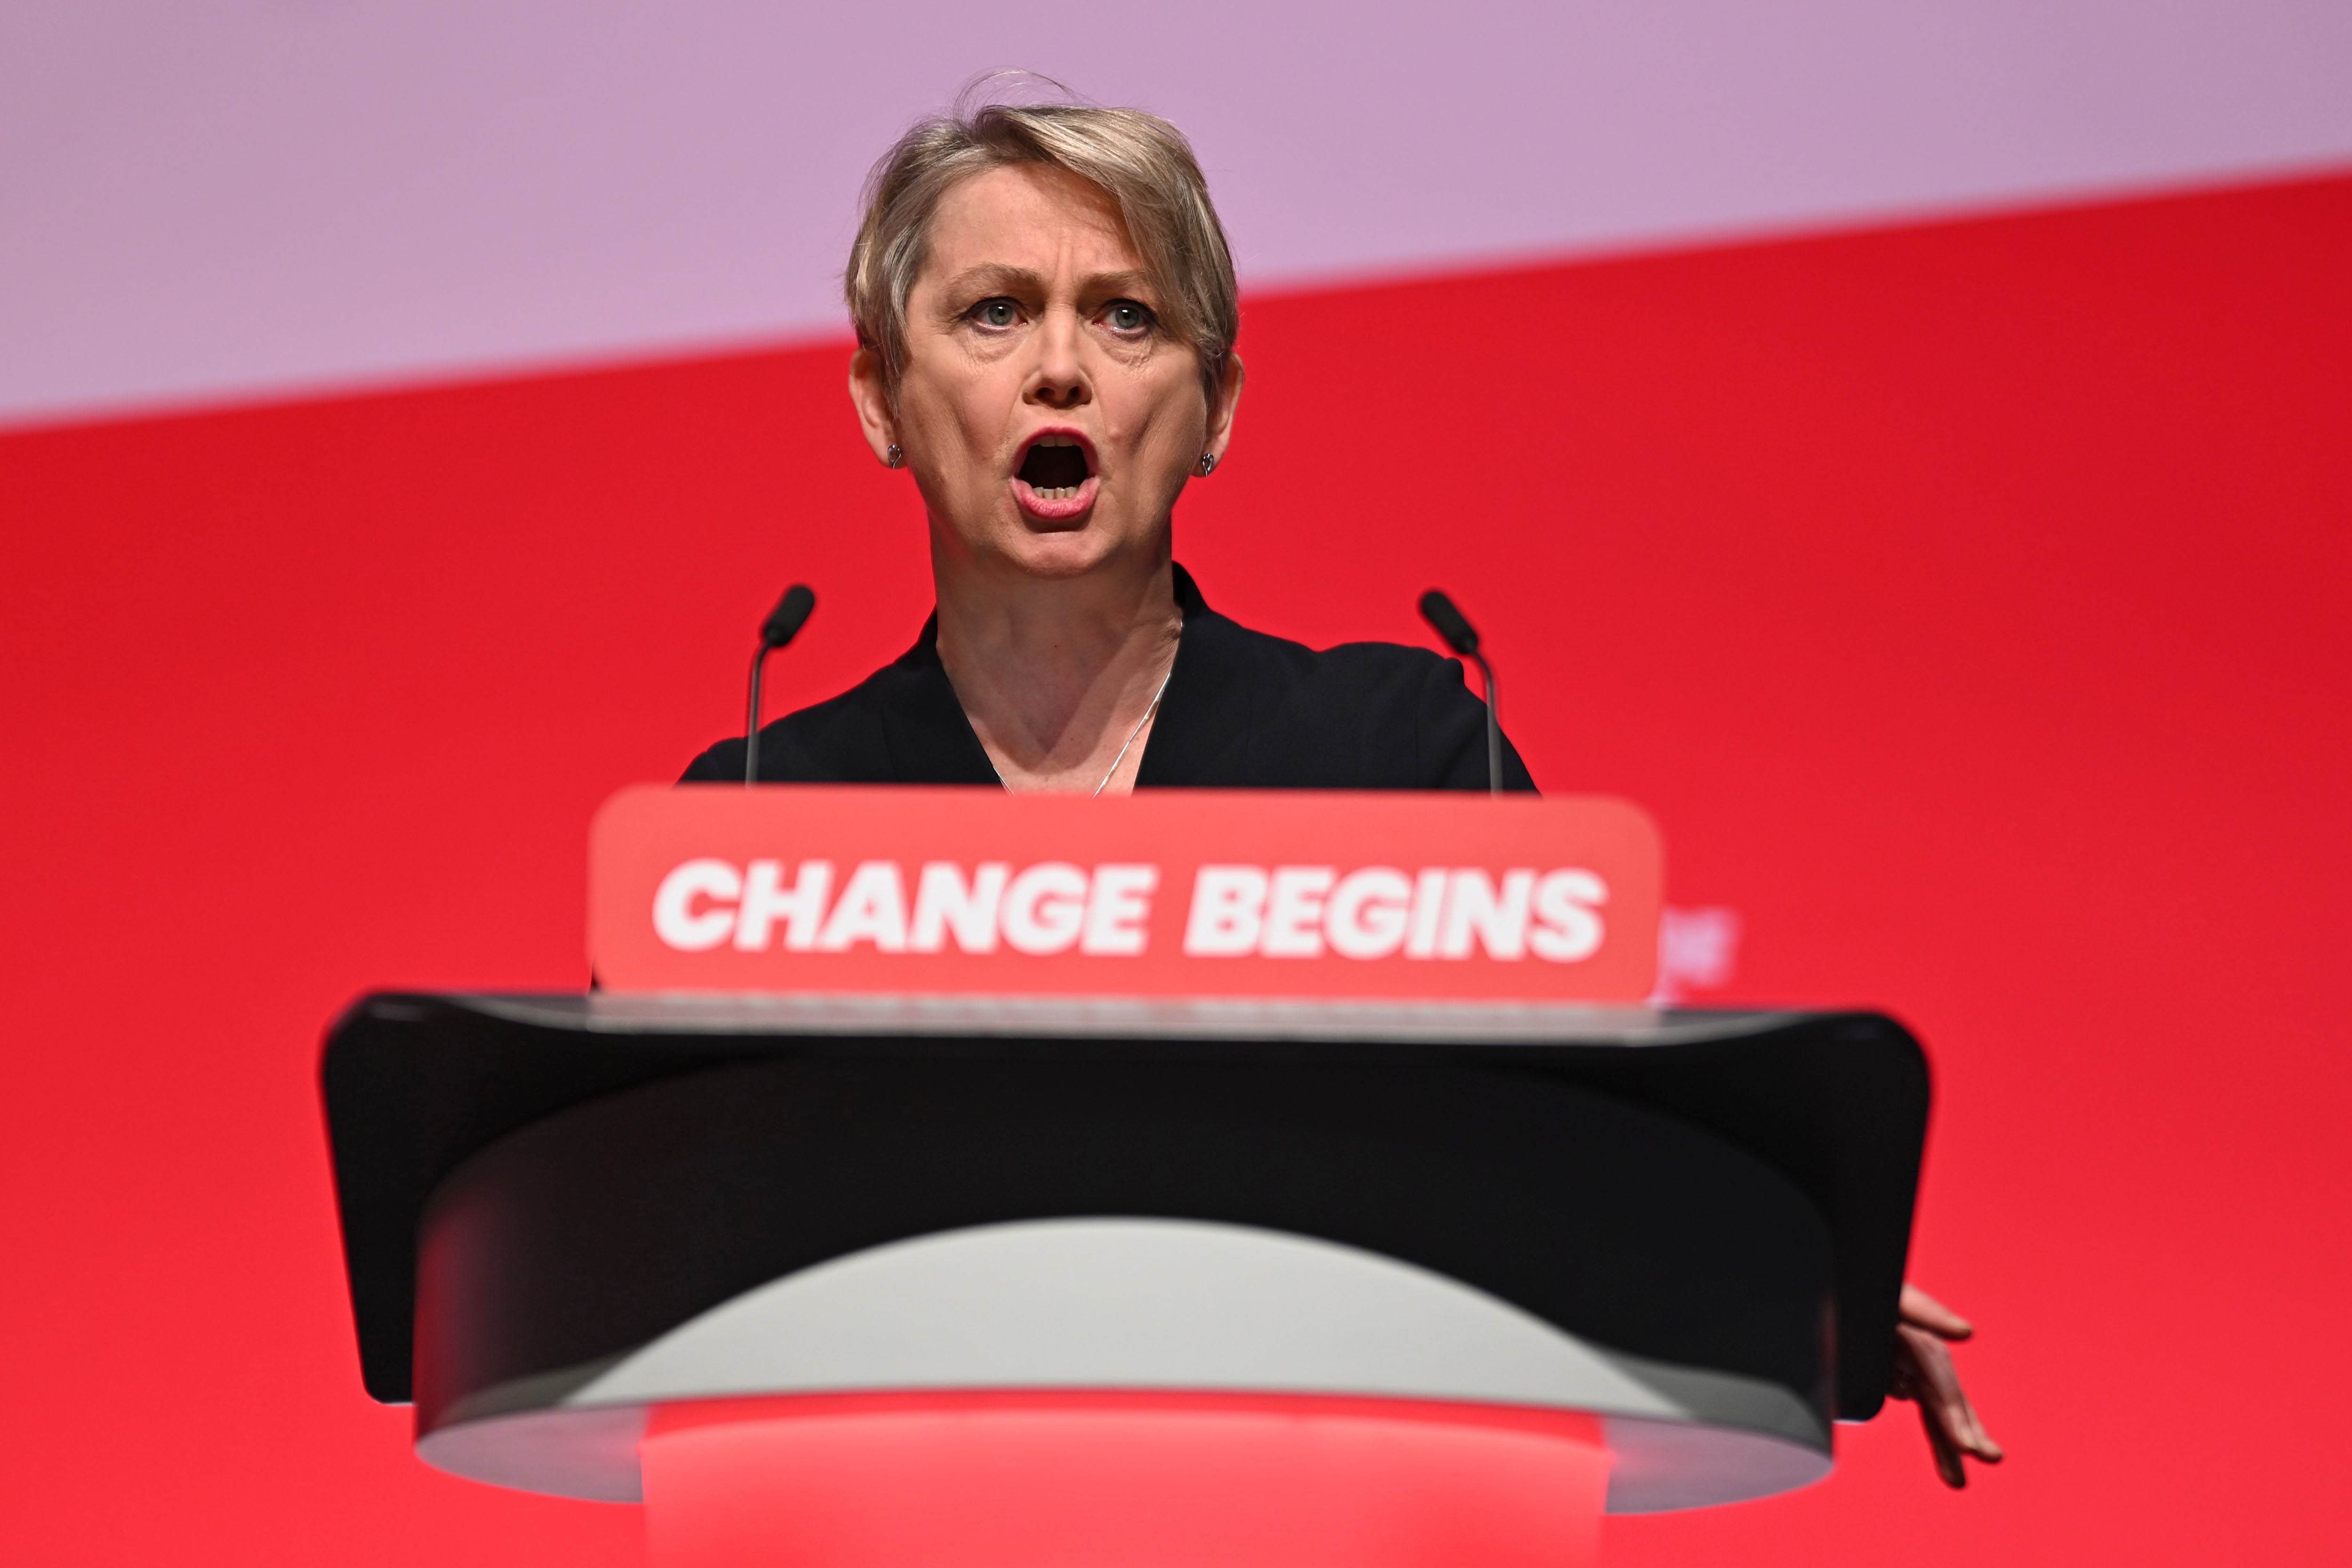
x=1208 y=464
x=894 y=457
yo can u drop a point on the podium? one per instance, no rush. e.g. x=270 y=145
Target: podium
x=840 y=1279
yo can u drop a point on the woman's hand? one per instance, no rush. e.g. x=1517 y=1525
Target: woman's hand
x=1924 y=1374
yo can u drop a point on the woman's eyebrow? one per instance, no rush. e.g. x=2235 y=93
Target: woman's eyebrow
x=1129 y=282
x=996 y=278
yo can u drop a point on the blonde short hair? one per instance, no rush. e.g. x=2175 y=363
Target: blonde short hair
x=1143 y=162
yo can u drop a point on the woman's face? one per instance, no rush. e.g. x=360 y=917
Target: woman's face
x=1048 y=415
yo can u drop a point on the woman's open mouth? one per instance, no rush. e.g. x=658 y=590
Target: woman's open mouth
x=1057 y=480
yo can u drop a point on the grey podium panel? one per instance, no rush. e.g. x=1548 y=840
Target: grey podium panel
x=1139 y=1305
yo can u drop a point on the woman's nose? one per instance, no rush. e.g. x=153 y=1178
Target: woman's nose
x=1059 y=379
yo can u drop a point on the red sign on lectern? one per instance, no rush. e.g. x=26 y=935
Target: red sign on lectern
x=1209 y=893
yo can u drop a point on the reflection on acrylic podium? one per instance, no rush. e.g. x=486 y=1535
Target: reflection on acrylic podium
x=1051 y=1284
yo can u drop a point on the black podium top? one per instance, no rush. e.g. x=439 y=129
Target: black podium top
x=1835 y=1103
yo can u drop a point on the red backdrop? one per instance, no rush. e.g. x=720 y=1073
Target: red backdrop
x=1968 y=602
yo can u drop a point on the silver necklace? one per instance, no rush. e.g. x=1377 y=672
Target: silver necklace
x=1139 y=723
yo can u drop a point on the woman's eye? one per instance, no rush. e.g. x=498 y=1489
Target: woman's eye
x=996 y=313
x=1127 y=316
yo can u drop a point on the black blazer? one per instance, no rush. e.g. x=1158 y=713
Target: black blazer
x=1243 y=710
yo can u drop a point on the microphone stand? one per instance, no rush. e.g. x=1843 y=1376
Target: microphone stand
x=1494 y=728
x=782 y=625
x=1452 y=625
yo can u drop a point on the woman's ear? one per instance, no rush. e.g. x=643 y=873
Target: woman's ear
x=1230 y=377
x=870 y=394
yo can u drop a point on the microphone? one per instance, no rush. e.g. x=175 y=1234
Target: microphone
x=782 y=625
x=1463 y=639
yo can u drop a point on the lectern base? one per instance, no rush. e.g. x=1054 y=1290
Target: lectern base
x=1143 y=1480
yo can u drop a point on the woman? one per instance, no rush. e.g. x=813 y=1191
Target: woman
x=1045 y=317
x=1045 y=314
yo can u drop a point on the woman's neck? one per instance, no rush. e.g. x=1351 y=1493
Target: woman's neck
x=1058 y=675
